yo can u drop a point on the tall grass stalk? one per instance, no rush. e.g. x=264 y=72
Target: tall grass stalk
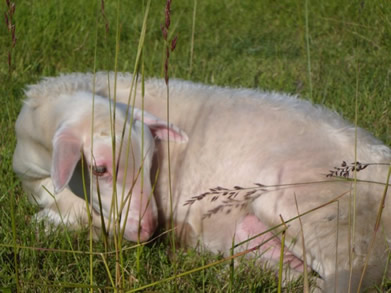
x=140 y=248
x=8 y=18
x=169 y=46
x=354 y=203
x=11 y=28
x=376 y=227
x=107 y=271
x=14 y=242
x=385 y=274
x=105 y=233
x=203 y=274
x=131 y=101
x=192 y=39
x=281 y=262
x=86 y=199
x=305 y=273
x=232 y=265
x=336 y=249
x=117 y=227
x=307 y=39
x=140 y=59
x=126 y=199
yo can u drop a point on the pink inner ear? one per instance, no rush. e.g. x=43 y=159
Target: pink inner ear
x=160 y=131
x=66 y=154
x=159 y=127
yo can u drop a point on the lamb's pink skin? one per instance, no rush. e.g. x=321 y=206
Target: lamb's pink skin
x=251 y=226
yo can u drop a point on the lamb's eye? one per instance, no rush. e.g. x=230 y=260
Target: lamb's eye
x=99 y=170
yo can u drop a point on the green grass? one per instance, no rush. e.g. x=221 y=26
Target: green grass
x=259 y=44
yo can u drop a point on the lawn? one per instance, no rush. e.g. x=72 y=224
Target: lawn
x=331 y=52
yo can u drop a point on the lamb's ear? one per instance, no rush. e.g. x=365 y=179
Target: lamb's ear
x=159 y=127
x=66 y=154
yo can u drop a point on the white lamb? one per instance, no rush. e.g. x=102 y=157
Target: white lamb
x=250 y=158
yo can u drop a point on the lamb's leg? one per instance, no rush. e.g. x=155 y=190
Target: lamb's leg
x=271 y=250
x=70 y=210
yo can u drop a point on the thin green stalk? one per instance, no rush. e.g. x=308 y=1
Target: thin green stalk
x=129 y=151
x=16 y=250
x=91 y=153
x=118 y=232
x=192 y=39
x=169 y=46
x=107 y=270
x=140 y=249
x=117 y=238
x=336 y=249
x=8 y=16
x=307 y=37
x=172 y=224
x=203 y=275
x=89 y=217
x=103 y=224
x=385 y=274
x=354 y=176
x=169 y=170
x=232 y=265
x=133 y=89
x=376 y=228
x=281 y=262
x=105 y=233
x=305 y=273
x=133 y=82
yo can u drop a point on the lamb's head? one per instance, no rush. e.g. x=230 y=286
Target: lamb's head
x=121 y=188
